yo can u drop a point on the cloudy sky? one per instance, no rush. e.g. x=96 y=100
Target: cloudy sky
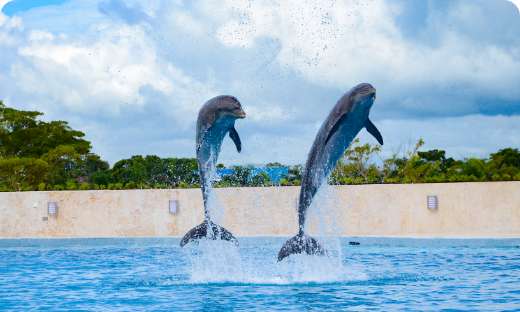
x=133 y=74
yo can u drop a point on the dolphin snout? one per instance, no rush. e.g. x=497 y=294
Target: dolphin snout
x=241 y=114
x=372 y=93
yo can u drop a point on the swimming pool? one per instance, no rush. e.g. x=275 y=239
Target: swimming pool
x=155 y=274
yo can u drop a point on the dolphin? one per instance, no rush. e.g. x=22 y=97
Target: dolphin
x=347 y=118
x=216 y=119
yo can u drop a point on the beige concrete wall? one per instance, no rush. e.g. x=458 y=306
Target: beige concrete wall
x=465 y=210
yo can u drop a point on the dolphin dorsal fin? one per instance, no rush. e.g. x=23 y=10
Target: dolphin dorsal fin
x=371 y=128
x=233 y=134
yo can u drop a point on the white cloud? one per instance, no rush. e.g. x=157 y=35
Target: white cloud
x=9 y=28
x=113 y=67
x=461 y=137
x=2 y=4
x=342 y=43
x=104 y=71
x=135 y=82
x=467 y=136
x=517 y=4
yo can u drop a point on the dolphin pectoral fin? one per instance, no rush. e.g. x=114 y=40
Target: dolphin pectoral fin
x=208 y=230
x=299 y=244
x=233 y=134
x=334 y=128
x=371 y=128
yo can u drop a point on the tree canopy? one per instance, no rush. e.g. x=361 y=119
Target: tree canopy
x=36 y=154
x=50 y=155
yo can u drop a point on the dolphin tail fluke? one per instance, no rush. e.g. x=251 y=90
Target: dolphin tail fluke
x=208 y=230
x=299 y=244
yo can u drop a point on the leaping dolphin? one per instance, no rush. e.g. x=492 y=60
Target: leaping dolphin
x=347 y=118
x=216 y=118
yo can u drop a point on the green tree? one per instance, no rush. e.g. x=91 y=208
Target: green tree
x=23 y=135
x=241 y=176
x=65 y=164
x=356 y=167
x=182 y=171
x=19 y=174
x=505 y=164
x=130 y=170
x=294 y=176
x=260 y=179
x=26 y=141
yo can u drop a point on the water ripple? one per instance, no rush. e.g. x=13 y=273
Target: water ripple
x=155 y=274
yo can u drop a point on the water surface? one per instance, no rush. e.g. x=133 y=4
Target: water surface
x=156 y=274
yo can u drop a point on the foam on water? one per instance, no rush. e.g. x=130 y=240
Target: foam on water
x=222 y=262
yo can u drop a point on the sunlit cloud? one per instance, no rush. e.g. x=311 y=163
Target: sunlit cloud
x=133 y=74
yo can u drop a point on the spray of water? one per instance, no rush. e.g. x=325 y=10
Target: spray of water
x=222 y=262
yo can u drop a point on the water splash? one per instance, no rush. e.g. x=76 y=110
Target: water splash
x=215 y=208
x=214 y=261
x=322 y=221
x=222 y=262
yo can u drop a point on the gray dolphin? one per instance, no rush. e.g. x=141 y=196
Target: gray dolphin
x=216 y=119
x=347 y=118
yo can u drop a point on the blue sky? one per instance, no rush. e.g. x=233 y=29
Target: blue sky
x=132 y=74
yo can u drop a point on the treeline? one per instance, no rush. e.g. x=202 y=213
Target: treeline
x=40 y=155
x=415 y=166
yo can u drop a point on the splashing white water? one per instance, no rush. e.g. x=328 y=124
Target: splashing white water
x=222 y=262
x=322 y=220
x=214 y=261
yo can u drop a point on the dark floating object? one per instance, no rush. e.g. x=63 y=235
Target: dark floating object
x=354 y=243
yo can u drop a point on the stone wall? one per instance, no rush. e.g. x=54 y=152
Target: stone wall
x=465 y=210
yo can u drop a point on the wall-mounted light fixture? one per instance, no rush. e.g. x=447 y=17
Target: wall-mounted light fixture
x=173 y=207
x=432 y=202
x=52 y=209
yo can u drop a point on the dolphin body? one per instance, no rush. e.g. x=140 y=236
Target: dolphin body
x=347 y=118
x=216 y=119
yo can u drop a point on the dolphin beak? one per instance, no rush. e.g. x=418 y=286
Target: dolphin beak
x=241 y=115
x=373 y=94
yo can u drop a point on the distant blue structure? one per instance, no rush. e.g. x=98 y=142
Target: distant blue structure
x=222 y=172
x=275 y=174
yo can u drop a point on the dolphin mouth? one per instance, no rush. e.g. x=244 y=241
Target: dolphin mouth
x=371 y=95
x=241 y=115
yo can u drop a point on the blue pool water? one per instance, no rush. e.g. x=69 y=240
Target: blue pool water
x=155 y=275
